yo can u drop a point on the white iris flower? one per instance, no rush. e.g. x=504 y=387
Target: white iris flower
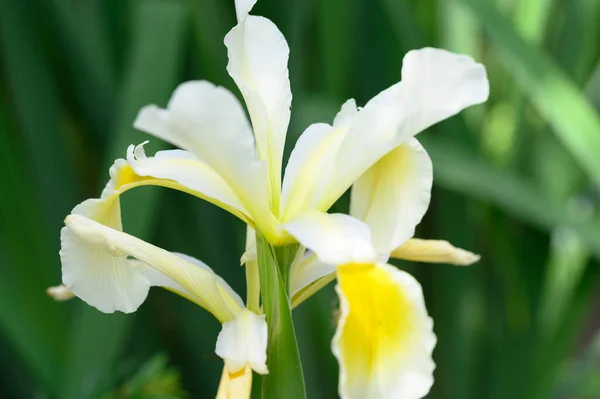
x=384 y=338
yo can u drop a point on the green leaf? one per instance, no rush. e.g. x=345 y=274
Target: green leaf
x=557 y=98
x=285 y=378
x=158 y=29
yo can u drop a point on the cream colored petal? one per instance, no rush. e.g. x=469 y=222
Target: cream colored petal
x=307 y=174
x=235 y=385
x=97 y=268
x=243 y=342
x=60 y=293
x=210 y=122
x=434 y=251
x=258 y=62
x=384 y=338
x=436 y=84
x=336 y=239
x=158 y=279
x=393 y=195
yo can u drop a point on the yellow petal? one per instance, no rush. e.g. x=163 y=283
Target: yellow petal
x=434 y=251
x=236 y=385
x=384 y=339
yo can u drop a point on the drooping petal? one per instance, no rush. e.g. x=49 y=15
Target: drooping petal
x=158 y=279
x=393 y=195
x=336 y=239
x=435 y=85
x=210 y=122
x=243 y=342
x=434 y=251
x=309 y=168
x=258 y=63
x=384 y=338
x=97 y=268
x=235 y=386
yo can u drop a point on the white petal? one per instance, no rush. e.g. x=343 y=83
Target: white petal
x=336 y=239
x=308 y=271
x=436 y=85
x=96 y=268
x=347 y=114
x=308 y=171
x=434 y=251
x=393 y=195
x=242 y=8
x=384 y=339
x=102 y=279
x=189 y=173
x=258 y=59
x=243 y=342
x=209 y=121
x=441 y=84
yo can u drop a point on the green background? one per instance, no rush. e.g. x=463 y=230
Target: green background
x=516 y=180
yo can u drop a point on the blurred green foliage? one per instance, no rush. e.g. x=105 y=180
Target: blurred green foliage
x=516 y=180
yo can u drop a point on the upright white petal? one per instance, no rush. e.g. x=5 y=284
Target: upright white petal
x=393 y=195
x=210 y=122
x=97 y=269
x=308 y=171
x=243 y=342
x=336 y=239
x=434 y=251
x=258 y=62
x=384 y=338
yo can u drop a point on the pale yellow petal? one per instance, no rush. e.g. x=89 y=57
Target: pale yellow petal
x=384 y=339
x=59 y=293
x=235 y=385
x=393 y=195
x=434 y=251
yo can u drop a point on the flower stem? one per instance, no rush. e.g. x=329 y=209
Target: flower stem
x=285 y=378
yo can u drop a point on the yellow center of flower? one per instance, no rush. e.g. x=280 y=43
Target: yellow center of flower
x=379 y=321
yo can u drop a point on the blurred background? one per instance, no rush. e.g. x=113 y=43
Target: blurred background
x=516 y=180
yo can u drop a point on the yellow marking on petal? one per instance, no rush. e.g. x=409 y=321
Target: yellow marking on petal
x=379 y=320
x=126 y=176
x=125 y=179
x=236 y=385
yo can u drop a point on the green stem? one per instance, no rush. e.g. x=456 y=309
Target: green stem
x=285 y=378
